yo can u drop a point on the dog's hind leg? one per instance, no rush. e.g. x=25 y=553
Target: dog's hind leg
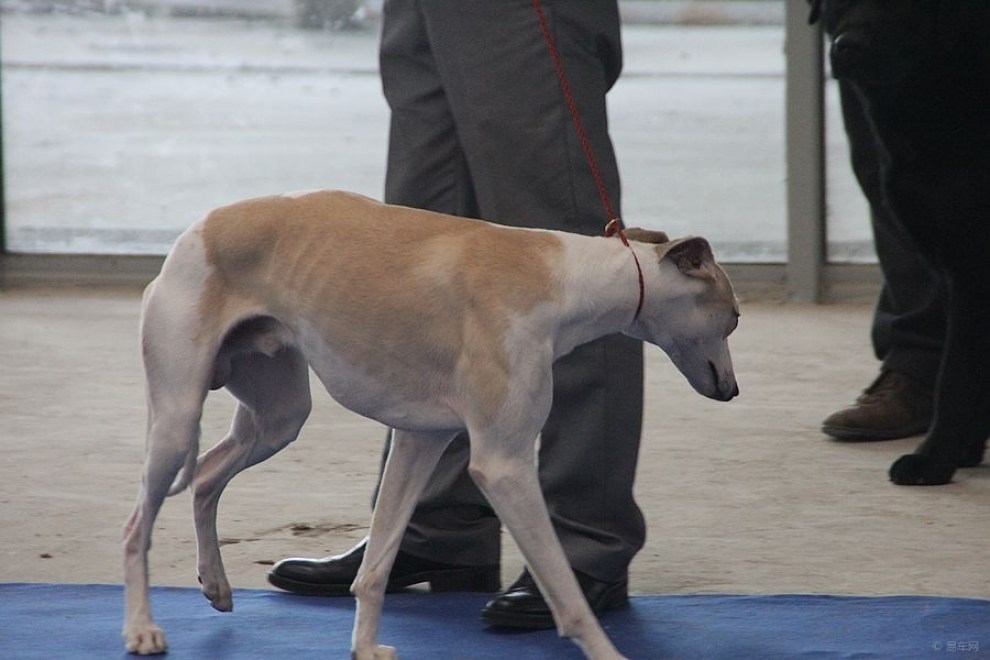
x=176 y=389
x=273 y=403
x=409 y=466
x=170 y=436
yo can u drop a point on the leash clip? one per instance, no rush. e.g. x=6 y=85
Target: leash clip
x=614 y=228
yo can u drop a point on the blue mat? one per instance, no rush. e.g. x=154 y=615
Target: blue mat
x=83 y=621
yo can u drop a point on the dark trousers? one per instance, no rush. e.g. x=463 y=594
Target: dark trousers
x=480 y=128
x=910 y=318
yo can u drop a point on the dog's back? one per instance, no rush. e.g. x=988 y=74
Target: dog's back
x=330 y=252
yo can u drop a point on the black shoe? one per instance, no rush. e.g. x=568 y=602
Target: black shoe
x=332 y=576
x=522 y=604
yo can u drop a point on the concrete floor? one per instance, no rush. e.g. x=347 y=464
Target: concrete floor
x=745 y=497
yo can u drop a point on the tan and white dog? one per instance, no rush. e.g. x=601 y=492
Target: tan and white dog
x=428 y=323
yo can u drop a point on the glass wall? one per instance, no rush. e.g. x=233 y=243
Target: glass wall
x=122 y=128
x=850 y=239
x=124 y=122
x=698 y=122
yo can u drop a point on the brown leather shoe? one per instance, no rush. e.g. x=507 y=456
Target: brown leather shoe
x=893 y=407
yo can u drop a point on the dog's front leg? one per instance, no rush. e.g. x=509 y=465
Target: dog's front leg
x=504 y=469
x=410 y=464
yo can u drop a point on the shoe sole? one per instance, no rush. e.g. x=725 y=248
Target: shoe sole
x=615 y=597
x=853 y=434
x=483 y=580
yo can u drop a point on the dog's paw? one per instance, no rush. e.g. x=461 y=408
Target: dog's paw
x=219 y=594
x=377 y=653
x=145 y=639
x=920 y=470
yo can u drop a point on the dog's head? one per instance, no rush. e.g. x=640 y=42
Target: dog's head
x=689 y=311
x=885 y=42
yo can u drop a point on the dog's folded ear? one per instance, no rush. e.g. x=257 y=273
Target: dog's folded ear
x=646 y=236
x=691 y=255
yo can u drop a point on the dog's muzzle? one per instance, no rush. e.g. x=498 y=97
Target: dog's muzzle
x=724 y=391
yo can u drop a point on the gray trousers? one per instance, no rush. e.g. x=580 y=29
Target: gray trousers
x=480 y=128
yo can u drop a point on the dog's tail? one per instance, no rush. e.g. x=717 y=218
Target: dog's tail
x=185 y=476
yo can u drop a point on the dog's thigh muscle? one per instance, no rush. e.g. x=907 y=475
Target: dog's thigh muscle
x=273 y=403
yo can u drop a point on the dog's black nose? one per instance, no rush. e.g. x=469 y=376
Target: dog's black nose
x=723 y=394
x=730 y=394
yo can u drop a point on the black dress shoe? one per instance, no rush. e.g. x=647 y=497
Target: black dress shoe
x=332 y=576
x=522 y=604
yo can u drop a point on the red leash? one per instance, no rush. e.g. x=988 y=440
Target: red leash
x=614 y=226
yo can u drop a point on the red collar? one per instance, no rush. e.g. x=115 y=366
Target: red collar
x=614 y=228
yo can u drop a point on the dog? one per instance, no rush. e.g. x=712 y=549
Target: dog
x=428 y=323
x=922 y=72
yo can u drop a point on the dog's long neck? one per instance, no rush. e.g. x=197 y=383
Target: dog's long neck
x=601 y=289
